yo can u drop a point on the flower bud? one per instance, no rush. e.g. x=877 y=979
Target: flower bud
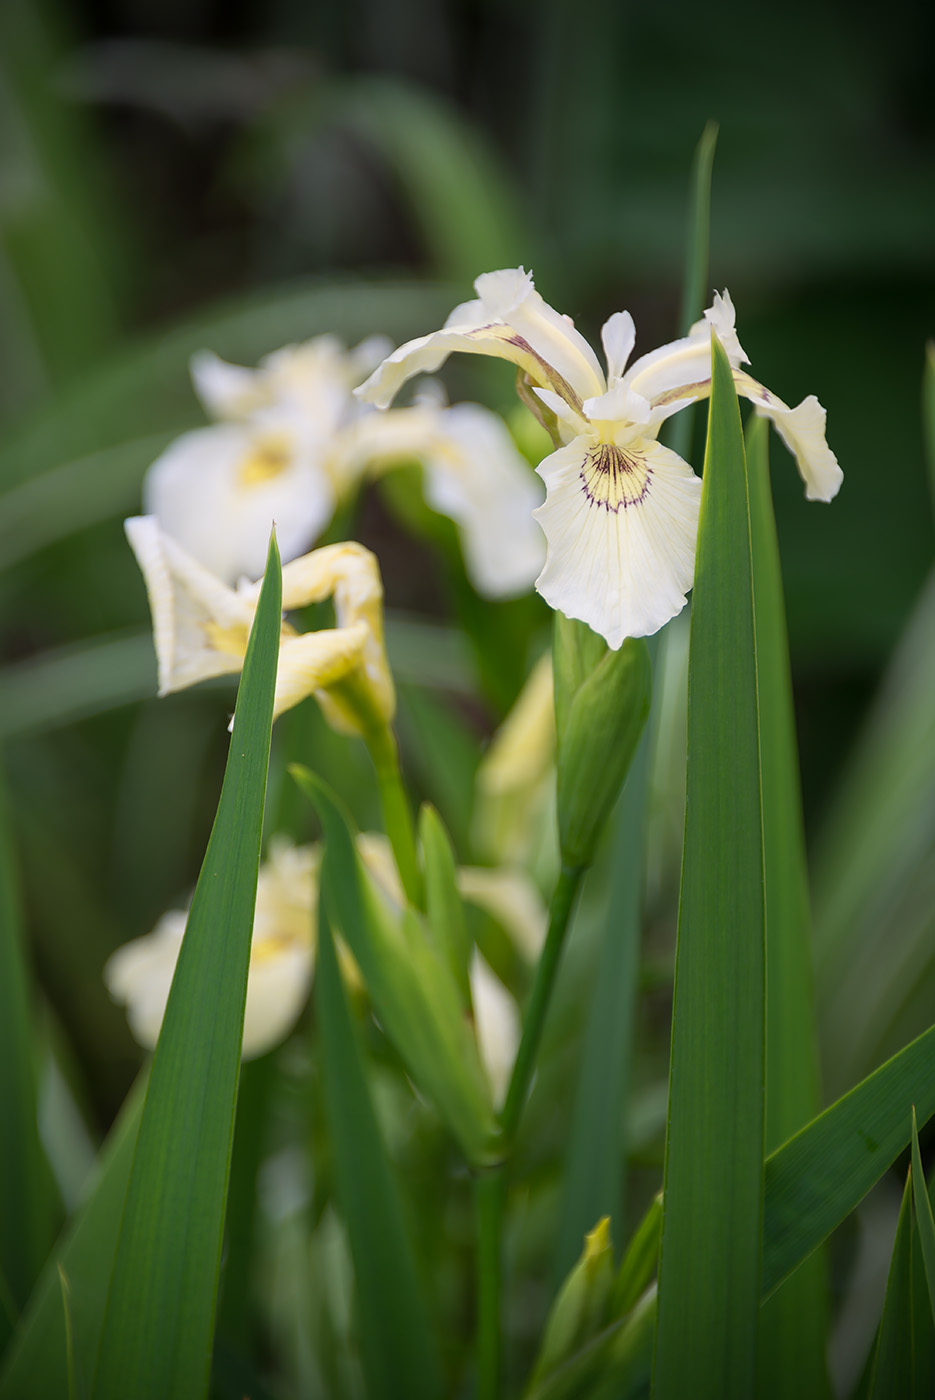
x=601 y=703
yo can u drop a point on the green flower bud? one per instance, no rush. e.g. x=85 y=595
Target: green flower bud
x=580 y=1310
x=601 y=703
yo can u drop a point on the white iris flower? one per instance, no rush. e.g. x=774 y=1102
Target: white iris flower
x=282 y=955
x=621 y=511
x=291 y=443
x=201 y=627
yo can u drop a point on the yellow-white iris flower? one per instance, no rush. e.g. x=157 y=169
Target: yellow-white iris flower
x=282 y=955
x=291 y=442
x=201 y=627
x=621 y=511
x=271 y=456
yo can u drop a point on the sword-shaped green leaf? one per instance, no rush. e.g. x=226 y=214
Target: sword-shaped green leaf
x=413 y=989
x=892 y=1364
x=709 y=1272
x=26 y=1194
x=158 y=1326
x=799 y=1309
x=37 y=1364
x=399 y=1352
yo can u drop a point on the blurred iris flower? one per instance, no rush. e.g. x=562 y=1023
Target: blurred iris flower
x=621 y=511
x=201 y=627
x=282 y=954
x=291 y=443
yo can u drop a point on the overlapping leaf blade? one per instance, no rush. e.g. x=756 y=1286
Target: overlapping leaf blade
x=157 y=1331
x=399 y=1352
x=799 y=1310
x=709 y=1280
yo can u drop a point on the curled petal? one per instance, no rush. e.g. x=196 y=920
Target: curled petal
x=310 y=663
x=200 y=626
x=680 y=372
x=620 y=526
x=225 y=390
x=509 y=321
x=802 y=429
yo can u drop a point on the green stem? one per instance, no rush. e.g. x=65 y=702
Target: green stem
x=563 y=901
x=489 y=1192
x=397 y=817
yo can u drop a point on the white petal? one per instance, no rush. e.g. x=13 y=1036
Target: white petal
x=681 y=370
x=200 y=626
x=620 y=525
x=227 y=391
x=475 y=474
x=519 y=327
x=315 y=660
x=802 y=429
x=217 y=491
x=139 y=976
x=512 y=898
x=496 y=1021
x=618 y=338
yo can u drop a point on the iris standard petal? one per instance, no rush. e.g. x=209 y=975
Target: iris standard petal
x=620 y=526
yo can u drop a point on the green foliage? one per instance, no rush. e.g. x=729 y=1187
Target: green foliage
x=399 y=1351
x=709 y=1266
x=157 y=1329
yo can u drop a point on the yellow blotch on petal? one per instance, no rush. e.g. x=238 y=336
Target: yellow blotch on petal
x=614 y=477
x=269 y=456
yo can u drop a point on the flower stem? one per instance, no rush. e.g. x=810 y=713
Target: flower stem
x=490 y=1186
x=563 y=901
x=397 y=817
x=489 y=1192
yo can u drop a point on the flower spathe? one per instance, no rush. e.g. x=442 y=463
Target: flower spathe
x=621 y=511
x=201 y=627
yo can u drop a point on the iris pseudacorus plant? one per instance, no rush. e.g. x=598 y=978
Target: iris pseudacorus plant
x=621 y=511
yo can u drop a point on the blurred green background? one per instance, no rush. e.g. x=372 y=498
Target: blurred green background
x=240 y=176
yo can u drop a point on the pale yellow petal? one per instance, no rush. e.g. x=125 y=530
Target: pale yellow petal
x=200 y=625
x=513 y=899
x=802 y=429
x=497 y=1026
x=315 y=660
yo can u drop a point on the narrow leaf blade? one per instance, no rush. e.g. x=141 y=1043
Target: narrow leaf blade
x=158 y=1327
x=709 y=1273
x=399 y=1352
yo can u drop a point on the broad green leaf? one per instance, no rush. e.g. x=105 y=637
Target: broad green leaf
x=158 y=1326
x=792 y=1096
x=443 y=906
x=26 y=1194
x=37 y=1363
x=892 y=1365
x=709 y=1272
x=414 y=993
x=817 y=1178
x=399 y=1352
x=924 y=1218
